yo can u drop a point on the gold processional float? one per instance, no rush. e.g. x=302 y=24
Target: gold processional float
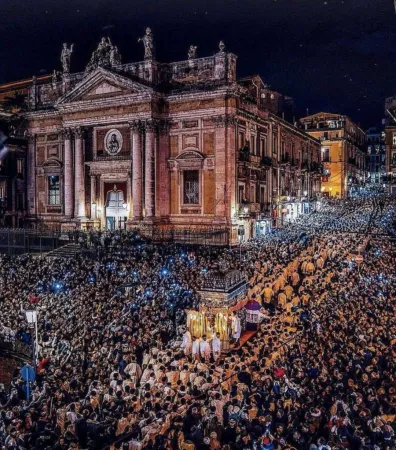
x=223 y=295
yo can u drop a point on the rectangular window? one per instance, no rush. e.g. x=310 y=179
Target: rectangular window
x=191 y=187
x=241 y=193
x=19 y=201
x=326 y=155
x=262 y=194
x=1 y=191
x=275 y=145
x=263 y=146
x=241 y=140
x=53 y=190
x=20 y=166
x=394 y=139
x=253 y=193
x=252 y=145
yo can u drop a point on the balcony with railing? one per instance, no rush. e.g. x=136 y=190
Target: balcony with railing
x=254 y=159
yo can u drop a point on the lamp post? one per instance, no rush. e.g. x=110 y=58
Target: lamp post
x=31 y=319
x=305 y=193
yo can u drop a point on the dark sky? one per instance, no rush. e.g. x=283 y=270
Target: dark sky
x=333 y=55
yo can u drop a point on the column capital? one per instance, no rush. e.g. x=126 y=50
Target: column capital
x=164 y=125
x=66 y=133
x=136 y=126
x=152 y=124
x=31 y=138
x=78 y=132
x=226 y=120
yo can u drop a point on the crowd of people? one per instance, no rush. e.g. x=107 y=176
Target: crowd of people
x=117 y=368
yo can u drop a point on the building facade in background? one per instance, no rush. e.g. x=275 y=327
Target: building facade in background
x=376 y=167
x=390 y=145
x=181 y=145
x=343 y=153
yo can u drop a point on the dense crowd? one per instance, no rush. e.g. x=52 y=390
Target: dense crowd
x=118 y=367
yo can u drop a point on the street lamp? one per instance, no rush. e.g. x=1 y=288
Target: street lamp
x=31 y=319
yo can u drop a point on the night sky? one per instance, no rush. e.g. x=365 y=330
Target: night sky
x=329 y=55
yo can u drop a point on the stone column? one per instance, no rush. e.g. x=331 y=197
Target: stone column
x=137 y=169
x=68 y=173
x=79 y=174
x=149 y=181
x=31 y=175
x=162 y=204
x=94 y=204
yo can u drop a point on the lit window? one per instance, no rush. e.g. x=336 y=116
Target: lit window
x=191 y=187
x=241 y=193
x=20 y=166
x=53 y=190
x=241 y=139
x=394 y=139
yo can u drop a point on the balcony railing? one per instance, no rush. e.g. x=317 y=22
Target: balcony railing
x=254 y=159
x=104 y=156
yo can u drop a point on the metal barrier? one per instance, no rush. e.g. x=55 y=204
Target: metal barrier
x=206 y=236
x=15 y=348
x=19 y=241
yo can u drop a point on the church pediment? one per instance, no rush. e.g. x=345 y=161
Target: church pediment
x=102 y=89
x=102 y=83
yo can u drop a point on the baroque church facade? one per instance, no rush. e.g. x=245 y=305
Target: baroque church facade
x=181 y=145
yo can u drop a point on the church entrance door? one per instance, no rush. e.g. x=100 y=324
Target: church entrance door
x=116 y=210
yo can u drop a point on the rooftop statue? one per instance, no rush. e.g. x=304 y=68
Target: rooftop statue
x=106 y=55
x=65 y=57
x=148 y=42
x=192 y=52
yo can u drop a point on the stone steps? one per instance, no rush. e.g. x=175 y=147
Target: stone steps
x=66 y=251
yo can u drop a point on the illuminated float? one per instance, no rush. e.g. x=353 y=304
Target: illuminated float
x=223 y=295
